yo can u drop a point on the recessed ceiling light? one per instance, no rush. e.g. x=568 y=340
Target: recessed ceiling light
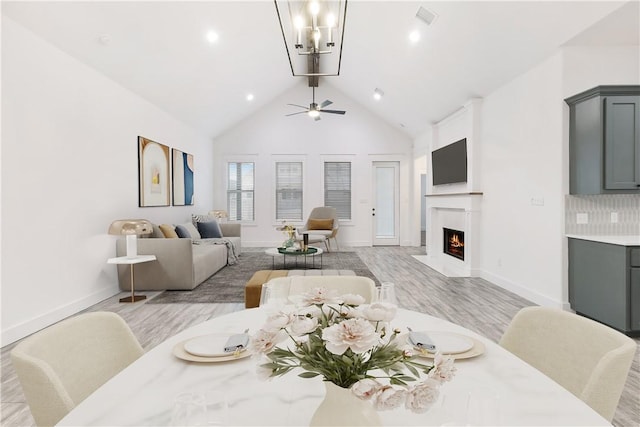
x=414 y=36
x=249 y=97
x=378 y=94
x=212 y=37
x=104 y=39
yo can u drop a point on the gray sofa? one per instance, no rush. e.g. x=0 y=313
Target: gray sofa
x=181 y=264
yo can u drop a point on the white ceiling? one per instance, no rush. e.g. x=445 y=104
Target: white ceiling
x=158 y=50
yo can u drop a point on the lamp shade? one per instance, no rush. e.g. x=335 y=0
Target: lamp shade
x=130 y=227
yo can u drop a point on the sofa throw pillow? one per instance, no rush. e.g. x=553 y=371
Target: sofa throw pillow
x=169 y=231
x=210 y=229
x=182 y=232
x=157 y=233
x=195 y=219
x=192 y=230
x=320 y=224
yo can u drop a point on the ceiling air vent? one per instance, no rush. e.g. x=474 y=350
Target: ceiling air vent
x=426 y=15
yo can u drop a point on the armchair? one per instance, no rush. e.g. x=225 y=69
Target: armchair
x=322 y=221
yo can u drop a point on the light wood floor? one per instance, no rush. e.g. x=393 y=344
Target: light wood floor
x=470 y=302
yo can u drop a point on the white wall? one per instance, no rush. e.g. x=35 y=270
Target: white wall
x=69 y=168
x=522 y=134
x=524 y=139
x=358 y=136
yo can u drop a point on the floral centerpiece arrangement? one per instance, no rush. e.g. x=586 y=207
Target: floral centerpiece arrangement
x=350 y=344
x=290 y=231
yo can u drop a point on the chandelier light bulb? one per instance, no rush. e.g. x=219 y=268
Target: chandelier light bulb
x=298 y=22
x=314 y=8
x=331 y=20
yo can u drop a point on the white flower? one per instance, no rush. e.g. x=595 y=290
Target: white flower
x=279 y=320
x=380 y=312
x=356 y=334
x=262 y=372
x=443 y=369
x=366 y=388
x=303 y=325
x=423 y=395
x=352 y=299
x=264 y=341
x=390 y=397
x=320 y=296
x=310 y=311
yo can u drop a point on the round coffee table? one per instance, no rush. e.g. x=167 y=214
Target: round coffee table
x=311 y=253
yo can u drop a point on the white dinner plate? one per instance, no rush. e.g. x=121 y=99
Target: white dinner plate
x=180 y=353
x=211 y=345
x=450 y=343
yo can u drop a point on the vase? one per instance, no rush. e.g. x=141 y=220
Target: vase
x=341 y=407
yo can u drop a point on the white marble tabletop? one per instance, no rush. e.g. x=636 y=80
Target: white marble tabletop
x=143 y=393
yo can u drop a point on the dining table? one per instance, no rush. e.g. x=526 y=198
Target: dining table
x=491 y=386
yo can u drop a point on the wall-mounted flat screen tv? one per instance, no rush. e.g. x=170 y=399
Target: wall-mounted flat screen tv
x=449 y=163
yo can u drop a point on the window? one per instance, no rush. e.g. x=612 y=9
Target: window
x=288 y=191
x=240 y=191
x=337 y=187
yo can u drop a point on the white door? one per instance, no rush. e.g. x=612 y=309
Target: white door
x=385 y=210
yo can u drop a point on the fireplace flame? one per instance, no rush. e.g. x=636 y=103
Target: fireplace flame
x=455 y=242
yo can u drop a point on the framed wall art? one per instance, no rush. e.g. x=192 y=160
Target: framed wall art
x=182 y=172
x=153 y=173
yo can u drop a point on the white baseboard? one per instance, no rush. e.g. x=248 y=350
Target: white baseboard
x=525 y=293
x=17 y=332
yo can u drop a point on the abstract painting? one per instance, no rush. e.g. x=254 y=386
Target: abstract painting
x=182 y=178
x=153 y=173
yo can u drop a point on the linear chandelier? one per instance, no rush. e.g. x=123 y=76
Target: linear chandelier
x=313 y=31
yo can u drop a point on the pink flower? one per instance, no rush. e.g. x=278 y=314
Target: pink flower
x=303 y=325
x=423 y=395
x=278 y=321
x=319 y=296
x=356 y=334
x=443 y=369
x=380 y=312
x=366 y=388
x=264 y=341
x=390 y=397
x=352 y=299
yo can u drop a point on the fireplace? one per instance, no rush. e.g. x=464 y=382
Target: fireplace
x=453 y=241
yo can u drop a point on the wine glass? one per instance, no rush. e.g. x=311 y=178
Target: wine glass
x=189 y=409
x=387 y=293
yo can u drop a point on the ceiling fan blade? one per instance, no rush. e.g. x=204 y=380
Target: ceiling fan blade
x=333 y=111
x=301 y=106
x=293 y=114
x=325 y=103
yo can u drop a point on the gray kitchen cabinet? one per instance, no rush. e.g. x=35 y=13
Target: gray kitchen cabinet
x=604 y=283
x=604 y=140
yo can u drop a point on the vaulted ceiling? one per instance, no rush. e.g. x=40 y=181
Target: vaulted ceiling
x=159 y=50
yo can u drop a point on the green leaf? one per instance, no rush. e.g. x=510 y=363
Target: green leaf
x=308 y=374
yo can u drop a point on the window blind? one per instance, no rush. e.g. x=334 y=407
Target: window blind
x=337 y=187
x=289 y=190
x=240 y=191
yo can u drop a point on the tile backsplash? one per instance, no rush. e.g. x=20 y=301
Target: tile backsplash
x=598 y=210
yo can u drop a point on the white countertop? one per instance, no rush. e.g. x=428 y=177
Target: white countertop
x=629 y=240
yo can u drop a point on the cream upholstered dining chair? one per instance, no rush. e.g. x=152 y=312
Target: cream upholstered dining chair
x=358 y=285
x=587 y=358
x=61 y=365
x=323 y=220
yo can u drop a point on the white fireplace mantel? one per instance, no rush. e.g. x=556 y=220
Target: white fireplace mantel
x=460 y=211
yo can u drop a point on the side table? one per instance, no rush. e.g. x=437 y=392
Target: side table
x=131 y=261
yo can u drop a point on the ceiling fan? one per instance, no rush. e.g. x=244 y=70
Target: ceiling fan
x=314 y=110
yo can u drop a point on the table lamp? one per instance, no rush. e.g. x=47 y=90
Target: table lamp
x=220 y=215
x=131 y=228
